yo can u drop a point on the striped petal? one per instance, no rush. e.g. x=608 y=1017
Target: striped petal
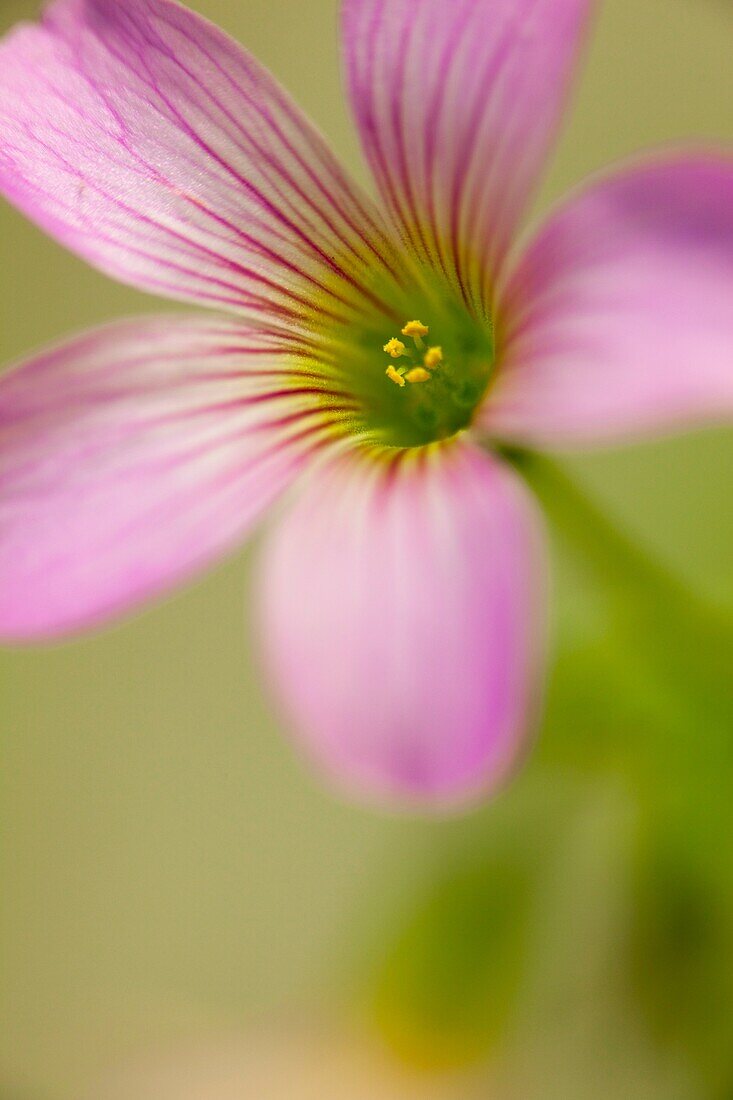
x=619 y=319
x=402 y=602
x=131 y=457
x=457 y=104
x=144 y=139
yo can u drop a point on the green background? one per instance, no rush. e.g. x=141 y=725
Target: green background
x=170 y=867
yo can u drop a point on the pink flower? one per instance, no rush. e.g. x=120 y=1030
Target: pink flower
x=368 y=348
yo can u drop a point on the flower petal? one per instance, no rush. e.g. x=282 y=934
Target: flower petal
x=146 y=140
x=457 y=104
x=619 y=319
x=131 y=457
x=403 y=606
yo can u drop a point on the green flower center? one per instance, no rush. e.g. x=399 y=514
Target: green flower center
x=420 y=382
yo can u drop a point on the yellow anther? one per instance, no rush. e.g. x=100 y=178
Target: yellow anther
x=415 y=329
x=433 y=358
x=395 y=376
x=395 y=348
x=417 y=374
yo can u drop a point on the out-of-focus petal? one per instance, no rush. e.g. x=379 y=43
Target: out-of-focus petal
x=132 y=456
x=619 y=319
x=146 y=140
x=319 y=1061
x=457 y=103
x=403 y=604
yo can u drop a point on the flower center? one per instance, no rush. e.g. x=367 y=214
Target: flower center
x=406 y=384
x=429 y=390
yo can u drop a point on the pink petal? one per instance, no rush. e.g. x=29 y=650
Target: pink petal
x=457 y=103
x=144 y=139
x=133 y=456
x=619 y=320
x=403 y=606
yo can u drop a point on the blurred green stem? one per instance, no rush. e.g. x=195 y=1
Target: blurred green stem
x=673 y=654
x=668 y=624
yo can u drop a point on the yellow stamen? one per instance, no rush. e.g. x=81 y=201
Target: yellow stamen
x=395 y=376
x=433 y=358
x=417 y=374
x=395 y=348
x=415 y=329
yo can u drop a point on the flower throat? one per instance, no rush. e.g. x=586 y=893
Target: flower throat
x=421 y=382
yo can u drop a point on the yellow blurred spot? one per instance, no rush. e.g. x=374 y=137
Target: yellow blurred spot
x=395 y=376
x=417 y=374
x=433 y=358
x=394 y=347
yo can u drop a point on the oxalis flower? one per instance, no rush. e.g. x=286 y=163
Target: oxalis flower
x=375 y=359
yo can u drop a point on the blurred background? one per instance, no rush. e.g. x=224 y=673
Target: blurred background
x=187 y=914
